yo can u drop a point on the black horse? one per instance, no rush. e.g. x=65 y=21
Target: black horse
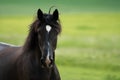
x=35 y=60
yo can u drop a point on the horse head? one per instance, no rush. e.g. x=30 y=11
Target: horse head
x=47 y=30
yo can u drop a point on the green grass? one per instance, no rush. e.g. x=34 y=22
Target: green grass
x=88 y=47
x=78 y=73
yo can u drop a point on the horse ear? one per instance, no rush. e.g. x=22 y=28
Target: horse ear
x=56 y=15
x=40 y=14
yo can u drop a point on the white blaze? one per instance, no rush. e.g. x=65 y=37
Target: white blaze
x=47 y=61
x=48 y=52
x=48 y=28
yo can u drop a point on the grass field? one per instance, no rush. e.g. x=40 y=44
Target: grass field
x=89 y=45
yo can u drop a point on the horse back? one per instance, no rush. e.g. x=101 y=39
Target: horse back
x=8 y=57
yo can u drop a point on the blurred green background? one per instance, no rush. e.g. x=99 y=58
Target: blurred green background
x=89 y=45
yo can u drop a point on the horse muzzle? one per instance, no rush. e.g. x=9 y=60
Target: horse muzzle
x=47 y=62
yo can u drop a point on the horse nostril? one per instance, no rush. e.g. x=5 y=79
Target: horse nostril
x=51 y=59
x=42 y=62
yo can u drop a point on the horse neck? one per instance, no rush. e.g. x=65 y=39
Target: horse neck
x=31 y=42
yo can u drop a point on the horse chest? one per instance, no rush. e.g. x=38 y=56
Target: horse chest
x=40 y=76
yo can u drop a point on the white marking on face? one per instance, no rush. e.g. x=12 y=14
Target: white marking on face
x=48 y=54
x=48 y=28
x=47 y=58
